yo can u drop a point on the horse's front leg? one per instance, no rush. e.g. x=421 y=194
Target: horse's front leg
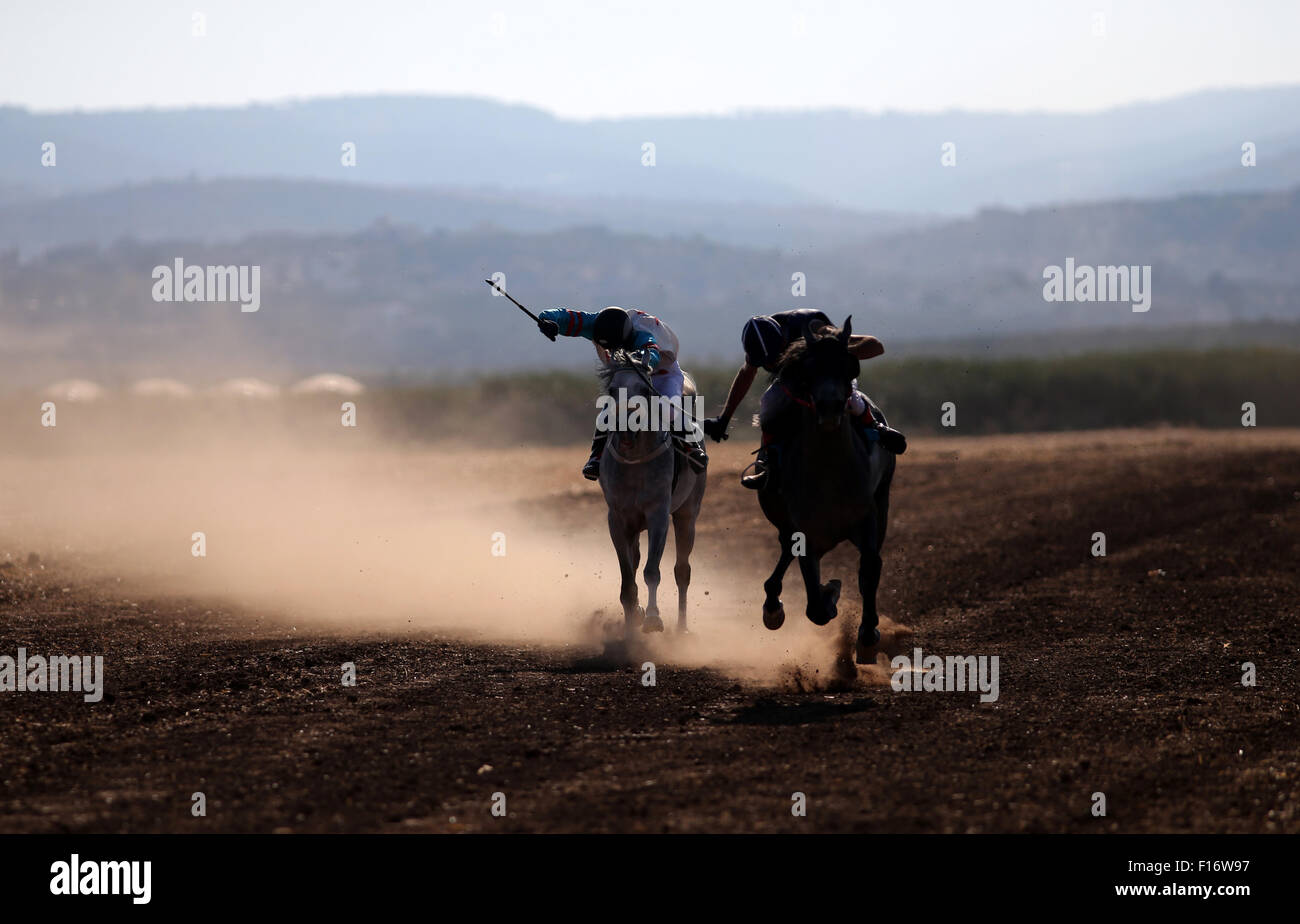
x=773 y=611
x=822 y=598
x=657 y=538
x=627 y=547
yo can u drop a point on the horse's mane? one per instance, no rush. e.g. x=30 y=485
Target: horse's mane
x=605 y=371
x=797 y=349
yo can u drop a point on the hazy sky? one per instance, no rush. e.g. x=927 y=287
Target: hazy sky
x=610 y=58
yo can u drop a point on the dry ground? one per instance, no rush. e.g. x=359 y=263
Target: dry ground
x=1119 y=675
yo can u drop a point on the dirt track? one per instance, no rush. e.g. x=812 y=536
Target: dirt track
x=1119 y=675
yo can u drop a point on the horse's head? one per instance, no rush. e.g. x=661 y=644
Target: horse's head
x=820 y=368
x=621 y=373
x=626 y=416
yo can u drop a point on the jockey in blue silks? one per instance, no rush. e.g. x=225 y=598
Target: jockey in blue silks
x=633 y=332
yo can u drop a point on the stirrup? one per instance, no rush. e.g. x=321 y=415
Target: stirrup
x=591 y=471
x=758 y=478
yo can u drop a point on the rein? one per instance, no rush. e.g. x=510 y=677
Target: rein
x=667 y=441
x=636 y=367
x=658 y=450
x=796 y=399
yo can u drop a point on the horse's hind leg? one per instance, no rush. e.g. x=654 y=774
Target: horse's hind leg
x=684 y=542
x=773 y=610
x=869 y=545
x=868 y=583
x=657 y=531
x=822 y=598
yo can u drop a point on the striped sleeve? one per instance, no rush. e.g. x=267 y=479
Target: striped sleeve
x=571 y=323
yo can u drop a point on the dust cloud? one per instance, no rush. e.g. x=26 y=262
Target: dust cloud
x=493 y=545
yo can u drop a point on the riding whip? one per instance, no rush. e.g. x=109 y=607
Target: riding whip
x=517 y=305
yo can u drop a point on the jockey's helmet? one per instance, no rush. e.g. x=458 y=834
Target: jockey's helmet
x=613 y=328
x=763 y=340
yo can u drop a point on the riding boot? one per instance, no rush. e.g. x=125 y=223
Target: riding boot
x=694 y=452
x=591 y=471
x=889 y=438
x=873 y=430
x=693 y=449
x=892 y=440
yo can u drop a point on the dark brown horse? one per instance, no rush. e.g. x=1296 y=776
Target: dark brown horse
x=830 y=484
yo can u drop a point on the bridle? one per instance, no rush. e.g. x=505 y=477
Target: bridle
x=655 y=453
x=802 y=402
x=625 y=361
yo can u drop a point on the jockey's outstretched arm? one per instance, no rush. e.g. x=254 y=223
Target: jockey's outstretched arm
x=570 y=323
x=716 y=427
x=739 y=388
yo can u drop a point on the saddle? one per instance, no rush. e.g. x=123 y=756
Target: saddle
x=679 y=460
x=784 y=431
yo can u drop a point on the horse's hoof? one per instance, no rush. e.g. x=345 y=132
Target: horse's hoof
x=830 y=596
x=774 y=619
x=652 y=624
x=865 y=650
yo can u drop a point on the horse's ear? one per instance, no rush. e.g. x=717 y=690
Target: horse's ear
x=808 y=332
x=847 y=330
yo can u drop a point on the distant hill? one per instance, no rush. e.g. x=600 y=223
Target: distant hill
x=230 y=209
x=887 y=162
x=402 y=301
x=1236 y=236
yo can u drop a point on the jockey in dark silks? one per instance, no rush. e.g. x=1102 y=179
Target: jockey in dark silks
x=633 y=332
x=765 y=338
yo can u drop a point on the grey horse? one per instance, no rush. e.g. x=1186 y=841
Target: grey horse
x=830 y=487
x=636 y=476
